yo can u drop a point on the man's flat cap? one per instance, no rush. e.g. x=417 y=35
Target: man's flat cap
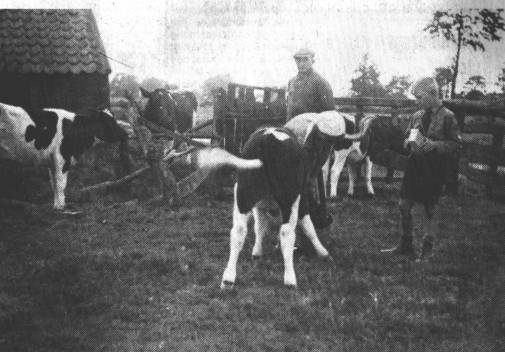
x=304 y=52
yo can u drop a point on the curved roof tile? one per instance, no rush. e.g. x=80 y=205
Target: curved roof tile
x=51 y=41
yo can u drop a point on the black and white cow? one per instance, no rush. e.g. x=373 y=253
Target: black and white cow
x=384 y=139
x=54 y=137
x=173 y=110
x=274 y=171
x=353 y=155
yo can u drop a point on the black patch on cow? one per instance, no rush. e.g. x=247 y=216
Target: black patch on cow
x=319 y=146
x=283 y=175
x=79 y=135
x=342 y=143
x=172 y=110
x=161 y=108
x=44 y=130
x=350 y=127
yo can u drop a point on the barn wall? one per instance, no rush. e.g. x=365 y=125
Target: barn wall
x=67 y=91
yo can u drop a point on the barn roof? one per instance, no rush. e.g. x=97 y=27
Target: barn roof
x=51 y=41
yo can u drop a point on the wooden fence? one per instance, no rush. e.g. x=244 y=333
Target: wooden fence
x=482 y=125
x=242 y=108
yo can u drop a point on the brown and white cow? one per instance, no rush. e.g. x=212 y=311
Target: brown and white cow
x=54 y=137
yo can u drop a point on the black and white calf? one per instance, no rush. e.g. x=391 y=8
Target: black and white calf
x=382 y=143
x=274 y=172
x=353 y=155
x=53 y=137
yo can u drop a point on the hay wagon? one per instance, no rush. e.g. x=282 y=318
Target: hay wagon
x=241 y=109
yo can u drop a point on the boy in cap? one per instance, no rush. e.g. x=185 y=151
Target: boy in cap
x=429 y=166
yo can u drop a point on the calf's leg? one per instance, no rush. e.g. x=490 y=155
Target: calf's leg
x=353 y=175
x=60 y=181
x=336 y=170
x=261 y=227
x=368 y=175
x=287 y=239
x=238 y=234
x=309 y=231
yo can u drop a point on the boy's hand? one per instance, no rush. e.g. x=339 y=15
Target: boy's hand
x=427 y=146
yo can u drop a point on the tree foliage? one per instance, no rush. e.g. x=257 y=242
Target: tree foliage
x=214 y=82
x=466 y=27
x=153 y=83
x=123 y=85
x=476 y=82
x=398 y=86
x=366 y=83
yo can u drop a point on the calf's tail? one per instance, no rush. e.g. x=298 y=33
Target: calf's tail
x=214 y=158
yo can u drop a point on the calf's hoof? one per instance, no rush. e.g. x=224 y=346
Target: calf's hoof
x=326 y=258
x=227 y=285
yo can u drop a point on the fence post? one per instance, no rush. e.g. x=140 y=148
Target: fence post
x=390 y=169
x=497 y=145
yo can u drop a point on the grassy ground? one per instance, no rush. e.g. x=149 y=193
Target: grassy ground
x=138 y=277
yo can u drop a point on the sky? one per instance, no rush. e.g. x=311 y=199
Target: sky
x=187 y=41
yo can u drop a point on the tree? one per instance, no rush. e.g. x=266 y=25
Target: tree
x=153 y=83
x=398 y=86
x=214 y=82
x=466 y=27
x=443 y=76
x=124 y=85
x=501 y=80
x=476 y=82
x=367 y=83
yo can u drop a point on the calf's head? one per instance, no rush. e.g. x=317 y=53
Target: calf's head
x=79 y=135
x=161 y=108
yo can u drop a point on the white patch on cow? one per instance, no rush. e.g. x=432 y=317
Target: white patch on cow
x=62 y=114
x=13 y=145
x=280 y=135
x=310 y=127
x=349 y=117
x=330 y=123
x=107 y=112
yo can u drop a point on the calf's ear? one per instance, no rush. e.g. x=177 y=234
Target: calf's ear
x=145 y=93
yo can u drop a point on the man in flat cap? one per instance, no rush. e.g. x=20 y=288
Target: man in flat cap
x=309 y=92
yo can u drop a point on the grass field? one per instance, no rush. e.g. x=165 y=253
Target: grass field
x=136 y=276
x=139 y=277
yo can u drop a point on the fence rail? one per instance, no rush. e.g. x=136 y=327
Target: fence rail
x=484 y=164
x=241 y=109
